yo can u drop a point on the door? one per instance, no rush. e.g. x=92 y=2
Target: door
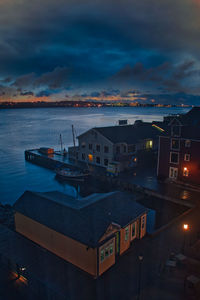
x=173 y=173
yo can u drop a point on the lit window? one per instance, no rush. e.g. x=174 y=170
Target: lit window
x=102 y=255
x=175 y=144
x=149 y=144
x=185 y=172
x=187 y=143
x=174 y=157
x=126 y=233
x=90 y=157
x=187 y=157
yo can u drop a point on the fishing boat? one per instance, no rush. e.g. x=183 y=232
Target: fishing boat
x=71 y=174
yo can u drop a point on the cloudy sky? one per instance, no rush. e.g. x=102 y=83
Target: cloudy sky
x=100 y=50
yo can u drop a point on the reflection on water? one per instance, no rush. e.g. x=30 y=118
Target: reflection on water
x=22 y=129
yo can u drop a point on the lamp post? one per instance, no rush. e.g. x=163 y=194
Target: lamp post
x=140 y=257
x=185 y=229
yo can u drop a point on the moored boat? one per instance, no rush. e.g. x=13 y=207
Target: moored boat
x=71 y=174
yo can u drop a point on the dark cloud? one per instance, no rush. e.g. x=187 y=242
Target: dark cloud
x=27 y=93
x=147 y=44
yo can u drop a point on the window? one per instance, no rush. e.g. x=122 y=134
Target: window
x=174 y=157
x=143 y=222
x=98 y=148
x=98 y=160
x=187 y=157
x=175 y=144
x=102 y=255
x=124 y=149
x=90 y=157
x=173 y=173
x=149 y=144
x=126 y=233
x=106 y=252
x=131 y=148
x=118 y=149
x=106 y=149
x=187 y=143
x=83 y=145
x=83 y=156
x=111 y=249
x=185 y=172
x=133 y=230
x=105 y=162
x=176 y=130
x=90 y=146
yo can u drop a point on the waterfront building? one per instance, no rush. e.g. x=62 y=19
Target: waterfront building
x=89 y=233
x=178 y=155
x=117 y=144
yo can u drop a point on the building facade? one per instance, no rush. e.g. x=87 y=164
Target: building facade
x=88 y=233
x=178 y=156
x=116 y=144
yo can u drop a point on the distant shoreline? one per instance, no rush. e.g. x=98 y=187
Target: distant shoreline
x=80 y=104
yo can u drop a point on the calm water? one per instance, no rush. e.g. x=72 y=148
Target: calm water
x=22 y=129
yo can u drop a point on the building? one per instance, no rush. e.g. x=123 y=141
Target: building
x=178 y=156
x=89 y=233
x=117 y=144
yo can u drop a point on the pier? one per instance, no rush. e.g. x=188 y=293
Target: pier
x=48 y=161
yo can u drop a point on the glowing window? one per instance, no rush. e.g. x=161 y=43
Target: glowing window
x=185 y=172
x=90 y=157
x=149 y=144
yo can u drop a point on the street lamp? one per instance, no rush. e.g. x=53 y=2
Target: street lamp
x=185 y=229
x=140 y=257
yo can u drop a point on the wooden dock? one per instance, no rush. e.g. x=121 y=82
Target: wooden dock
x=47 y=161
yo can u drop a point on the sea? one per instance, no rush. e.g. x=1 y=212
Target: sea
x=23 y=129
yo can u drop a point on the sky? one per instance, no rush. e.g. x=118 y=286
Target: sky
x=130 y=50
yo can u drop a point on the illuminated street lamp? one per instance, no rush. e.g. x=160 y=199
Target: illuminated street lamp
x=185 y=229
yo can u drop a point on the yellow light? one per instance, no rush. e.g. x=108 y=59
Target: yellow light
x=185 y=169
x=90 y=157
x=185 y=226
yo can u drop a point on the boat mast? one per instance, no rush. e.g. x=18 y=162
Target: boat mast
x=73 y=134
x=61 y=143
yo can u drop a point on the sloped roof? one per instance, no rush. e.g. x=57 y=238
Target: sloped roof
x=192 y=117
x=84 y=220
x=130 y=134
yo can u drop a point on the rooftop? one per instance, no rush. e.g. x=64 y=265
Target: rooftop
x=84 y=220
x=131 y=134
